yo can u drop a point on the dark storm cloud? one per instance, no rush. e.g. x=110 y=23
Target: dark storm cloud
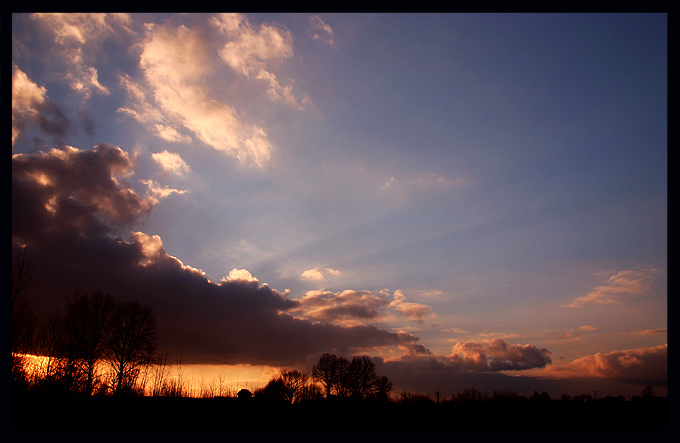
x=470 y=364
x=429 y=373
x=74 y=207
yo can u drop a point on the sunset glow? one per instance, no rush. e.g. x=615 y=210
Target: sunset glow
x=468 y=199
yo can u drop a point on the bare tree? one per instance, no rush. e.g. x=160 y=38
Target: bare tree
x=324 y=371
x=132 y=342
x=294 y=382
x=383 y=387
x=23 y=317
x=361 y=377
x=86 y=322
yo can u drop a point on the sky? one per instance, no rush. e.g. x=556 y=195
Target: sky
x=470 y=199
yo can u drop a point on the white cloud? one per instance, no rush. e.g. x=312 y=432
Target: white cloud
x=158 y=192
x=242 y=275
x=175 y=62
x=254 y=52
x=318 y=274
x=170 y=162
x=26 y=100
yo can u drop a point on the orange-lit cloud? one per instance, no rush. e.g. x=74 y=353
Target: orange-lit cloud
x=657 y=331
x=497 y=355
x=26 y=98
x=75 y=35
x=318 y=274
x=410 y=310
x=175 y=97
x=350 y=307
x=74 y=207
x=642 y=365
x=252 y=51
x=32 y=106
x=82 y=183
x=568 y=335
x=170 y=162
x=242 y=275
x=618 y=286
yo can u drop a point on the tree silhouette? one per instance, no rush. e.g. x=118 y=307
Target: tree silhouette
x=294 y=382
x=132 y=342
x=86 y=323
x=324 y=371
x=383 y=387
x=23 y=317
x=648 y=392
x=361 y=377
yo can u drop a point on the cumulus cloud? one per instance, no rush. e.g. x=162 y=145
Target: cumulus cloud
x=358 y=307
x=345 y=307
x=74 y=206
x=240 y=275
x=478 y=364
x=31 y=105
x=170 y=162
x=618 y=286
x=71 y=188
x=497 y=355
x=641 y=366
x=318 y=274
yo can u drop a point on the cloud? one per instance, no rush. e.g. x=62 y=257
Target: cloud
x=497 y=355
x=68 y=188
x=320 y=30
x=405 y=186
x=31 y=105
x=318 y=274
x=242 y=275
x=657 y=331
x=568 y=335
x=619 y=285
x=471 y=364
x=350 y=307
x=77 y=36
x=254 y=52
x=640 y=366
x=76 y=210
x=176 y=62
x=346 y=307
x=170 y=162
x=141 y=107
x=410 y=310
x=160 y=192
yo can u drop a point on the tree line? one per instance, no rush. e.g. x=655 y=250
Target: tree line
x=96 y=344
x=331 y=376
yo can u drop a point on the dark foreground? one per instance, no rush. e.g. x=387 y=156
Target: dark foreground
x=167 y=413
